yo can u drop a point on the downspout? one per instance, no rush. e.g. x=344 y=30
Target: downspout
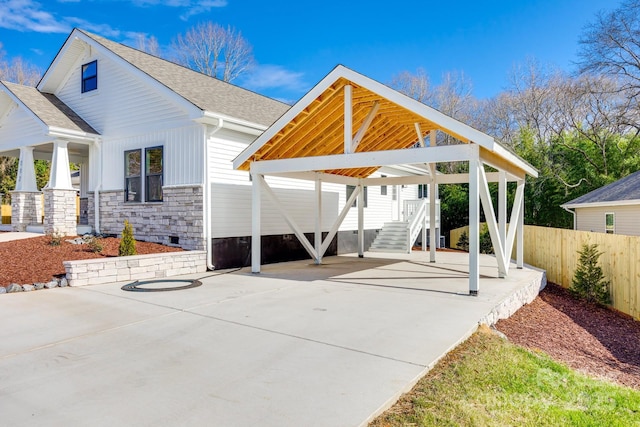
x=96 y=191
x=207 y=193
x=572 y=213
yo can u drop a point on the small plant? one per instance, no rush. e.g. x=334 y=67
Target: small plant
x=127 y=242
x=588 y=281
x=94 y=244
x=463 y=242
x=55 y=239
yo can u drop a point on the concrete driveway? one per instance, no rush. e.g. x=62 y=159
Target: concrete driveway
x=298 y=345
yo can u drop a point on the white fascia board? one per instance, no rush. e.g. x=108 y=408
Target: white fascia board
x=448 y=153
x=42 y=84
x=232 y=123
x=324 y=177
x=516 y=160
x=21 y=105
x=64 y=133
x=601 y=204
x=303 y=103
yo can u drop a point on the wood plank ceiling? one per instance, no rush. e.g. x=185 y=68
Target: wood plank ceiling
x=318 y=130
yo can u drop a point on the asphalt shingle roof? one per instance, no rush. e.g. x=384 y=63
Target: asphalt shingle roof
x=627 y=188
x=51 y=110
x=205 y=92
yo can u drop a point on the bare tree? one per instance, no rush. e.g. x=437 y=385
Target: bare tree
x=214 y=50
x=611 y=45
x=18 y=71
x=148 y=44
x=417 y=85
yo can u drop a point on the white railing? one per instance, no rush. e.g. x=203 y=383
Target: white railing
x=416 y=214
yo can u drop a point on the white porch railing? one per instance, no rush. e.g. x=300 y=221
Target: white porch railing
x=416 y=214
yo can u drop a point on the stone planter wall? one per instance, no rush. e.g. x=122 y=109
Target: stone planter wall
x=137 y=267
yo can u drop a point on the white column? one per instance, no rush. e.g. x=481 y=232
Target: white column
x=318 y=235
x=256 y=188
x=502 y=212
x=361 y=221
x=348 y=119
x=520 y=232
x=474 y=227
x=60 y=176
x=26 y=179
x=433 y=190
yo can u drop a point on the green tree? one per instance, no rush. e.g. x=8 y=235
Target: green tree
x=127 y=242
x=589 y=281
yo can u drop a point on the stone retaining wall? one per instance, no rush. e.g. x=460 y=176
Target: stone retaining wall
x=137 y=267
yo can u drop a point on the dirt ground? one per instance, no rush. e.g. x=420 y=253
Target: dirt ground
x=595 y=340
x=36 y=260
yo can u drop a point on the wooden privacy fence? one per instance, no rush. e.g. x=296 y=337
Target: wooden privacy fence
x=556 y=251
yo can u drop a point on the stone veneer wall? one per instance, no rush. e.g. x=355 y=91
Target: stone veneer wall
x=179 y=214
x=60 y=212
x=26 y=209
x=137 y=267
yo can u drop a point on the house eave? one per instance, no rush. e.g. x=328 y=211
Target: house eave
x=601 y=204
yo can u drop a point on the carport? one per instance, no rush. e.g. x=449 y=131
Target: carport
x=348 y=126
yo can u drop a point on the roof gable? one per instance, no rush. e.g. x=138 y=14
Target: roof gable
x=205 y=93
x=314 y=126
x=47 y=108
x=622 y=190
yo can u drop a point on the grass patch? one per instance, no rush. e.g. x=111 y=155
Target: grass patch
x=488 y=381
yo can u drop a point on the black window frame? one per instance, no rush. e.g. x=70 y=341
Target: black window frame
x=143 y=182
x=383 y=188
x=130 y=179
x=90 y=82
x=147 y=175
x=350 y=190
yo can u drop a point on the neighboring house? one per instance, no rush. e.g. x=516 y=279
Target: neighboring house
x=155 y=143
x=613 y=209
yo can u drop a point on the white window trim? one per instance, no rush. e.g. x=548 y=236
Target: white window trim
x=613 y=214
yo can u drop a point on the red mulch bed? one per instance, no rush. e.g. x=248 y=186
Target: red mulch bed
x=595 y=340
x=36 y=260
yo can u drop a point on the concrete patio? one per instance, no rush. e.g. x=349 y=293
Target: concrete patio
x=298 y=344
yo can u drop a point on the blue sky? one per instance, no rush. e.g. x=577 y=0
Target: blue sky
x=296 y=43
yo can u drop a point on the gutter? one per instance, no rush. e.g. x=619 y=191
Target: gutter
x=96 y=190
x=572 y=213
x=207 y=191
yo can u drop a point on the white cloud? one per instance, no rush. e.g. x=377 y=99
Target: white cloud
x=271 y=76
x=28 y=15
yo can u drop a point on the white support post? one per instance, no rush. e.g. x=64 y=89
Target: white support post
x=318 y=232
x=256 y=194
x=433 y=189
x=520 y=244
x=361 y=221
x=348 y=119
x=474 y=227
x=60 y=175
x=490 y=216
x=516 y=213
x=502 y=211
x=424 y=234
x=26 y=179
x=419 y=132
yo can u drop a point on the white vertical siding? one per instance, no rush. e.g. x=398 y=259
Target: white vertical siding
x=593 y=219
x=183 y=155
x=122 y=104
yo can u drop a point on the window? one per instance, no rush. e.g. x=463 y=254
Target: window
x=609 y=223
x=383 y=188
x=350 y=190
x=394 y=192
x=132 y=171
x=90 y=76
x=423 y=191
x=153 y=171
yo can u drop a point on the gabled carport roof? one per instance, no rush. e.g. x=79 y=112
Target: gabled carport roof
x=383 y=118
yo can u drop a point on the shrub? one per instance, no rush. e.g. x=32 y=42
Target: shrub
x=94 y=244
x=55 y=239
x=588 y=281
x=463 y=242
x=127 y=242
